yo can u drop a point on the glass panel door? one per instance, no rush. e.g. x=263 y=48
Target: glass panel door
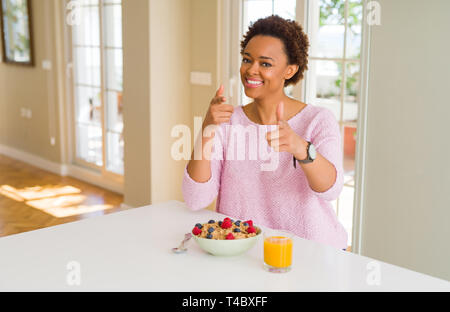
x=87 y=84
x=332 y=81
x=113 y=52
x=97 y=84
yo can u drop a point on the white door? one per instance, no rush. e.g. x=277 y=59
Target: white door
x=97 y=63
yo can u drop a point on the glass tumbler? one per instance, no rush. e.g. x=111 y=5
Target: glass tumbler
x=278 y=251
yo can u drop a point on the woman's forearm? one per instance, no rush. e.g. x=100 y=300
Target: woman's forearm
x=218 y=112
x=321 y=174
x=200 y=169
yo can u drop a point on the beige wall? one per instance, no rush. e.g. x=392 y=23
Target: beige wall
x=203 y=56
x=204 y=51
x=170 y=51
x=406 y=208
x=32 y=88
x=136 y=99
x=158 y=94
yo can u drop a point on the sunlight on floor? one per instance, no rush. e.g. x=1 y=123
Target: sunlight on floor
x=58 y=201
x=4 y=191
x=61 y=201
x=36 y=192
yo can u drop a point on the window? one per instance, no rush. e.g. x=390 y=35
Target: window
x=332 y=80
x=97 y=85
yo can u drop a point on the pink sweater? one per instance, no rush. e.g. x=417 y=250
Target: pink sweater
x=272 y=193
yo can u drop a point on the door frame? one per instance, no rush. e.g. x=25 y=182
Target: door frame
x=361 y=139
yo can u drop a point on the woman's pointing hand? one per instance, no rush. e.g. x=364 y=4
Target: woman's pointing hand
x=284 y=139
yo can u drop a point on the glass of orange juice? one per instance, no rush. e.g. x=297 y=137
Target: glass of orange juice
x=278 y=251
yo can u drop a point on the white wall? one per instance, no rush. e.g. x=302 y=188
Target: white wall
x=406 y=214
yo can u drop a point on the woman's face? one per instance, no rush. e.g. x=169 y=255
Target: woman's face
x=264 y=67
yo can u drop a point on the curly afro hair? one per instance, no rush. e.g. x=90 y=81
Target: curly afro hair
x=295 y=41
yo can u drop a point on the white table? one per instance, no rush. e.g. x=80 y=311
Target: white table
x=131 y=251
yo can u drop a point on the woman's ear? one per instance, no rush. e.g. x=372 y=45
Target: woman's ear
x=291 y=71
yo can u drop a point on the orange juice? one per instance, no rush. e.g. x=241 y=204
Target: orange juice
x=278 y=251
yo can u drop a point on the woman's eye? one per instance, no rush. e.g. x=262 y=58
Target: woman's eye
x=264 y=64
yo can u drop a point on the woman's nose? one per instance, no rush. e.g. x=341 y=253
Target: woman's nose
x=253 y=68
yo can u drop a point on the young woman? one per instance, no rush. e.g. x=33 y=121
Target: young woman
x=295 y=195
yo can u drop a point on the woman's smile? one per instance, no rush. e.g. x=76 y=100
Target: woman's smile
x=253 y=83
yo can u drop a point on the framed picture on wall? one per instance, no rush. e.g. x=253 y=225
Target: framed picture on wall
x=16 y=32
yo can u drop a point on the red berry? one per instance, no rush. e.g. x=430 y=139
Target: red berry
x=196 y=231
x=251 y=229
x=229 y=236
x=226 y=224
x=250 y=222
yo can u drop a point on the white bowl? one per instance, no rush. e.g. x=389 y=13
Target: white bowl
x=227 y=247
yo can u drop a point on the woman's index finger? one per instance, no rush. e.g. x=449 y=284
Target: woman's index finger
x=219 y=91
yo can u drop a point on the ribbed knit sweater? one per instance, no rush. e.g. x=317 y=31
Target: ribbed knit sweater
x=252 y=181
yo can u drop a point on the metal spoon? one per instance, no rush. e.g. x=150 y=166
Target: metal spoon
x=181 y=248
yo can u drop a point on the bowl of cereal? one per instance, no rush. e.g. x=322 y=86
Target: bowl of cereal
x=226 y=237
